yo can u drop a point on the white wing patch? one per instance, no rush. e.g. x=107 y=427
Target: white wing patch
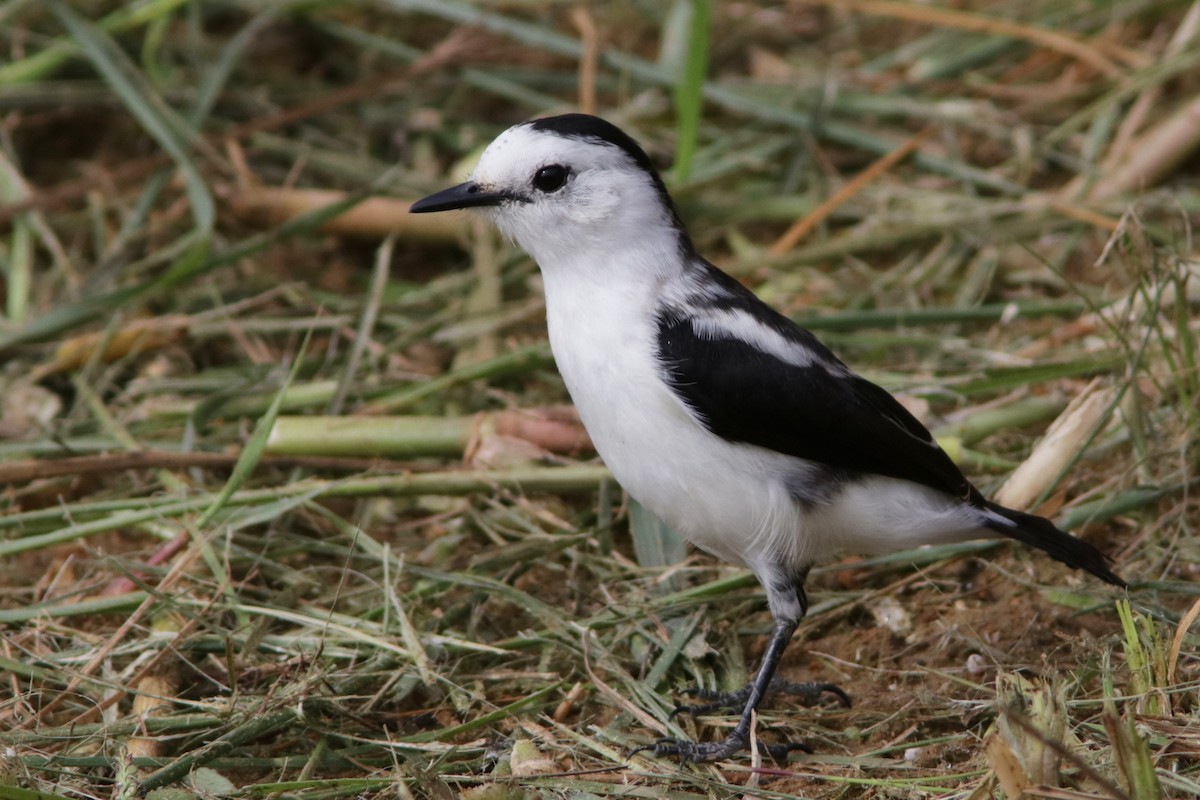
x=736 y=323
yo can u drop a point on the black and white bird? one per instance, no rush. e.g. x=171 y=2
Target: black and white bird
x=721 y=416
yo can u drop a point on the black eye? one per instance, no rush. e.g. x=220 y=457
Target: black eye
x=551 y=178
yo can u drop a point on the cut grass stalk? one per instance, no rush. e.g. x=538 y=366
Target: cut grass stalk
x=258 y=725
x=101 y=605
x=165 y=725
x=25 y=471
x=1122 y=503
x=373 y=218
x=974 y=425
x=117 y=514
x=1001 y=379
x=1061 y=447
x=919 y=317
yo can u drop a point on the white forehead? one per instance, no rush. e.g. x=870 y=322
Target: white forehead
x=516 y=154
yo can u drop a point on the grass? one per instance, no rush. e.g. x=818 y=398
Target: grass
x=292 y=506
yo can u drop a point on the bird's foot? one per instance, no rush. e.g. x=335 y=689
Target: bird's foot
x=809 y=693
x=701 y=752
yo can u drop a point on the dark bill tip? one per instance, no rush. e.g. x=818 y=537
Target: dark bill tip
x=465 y=195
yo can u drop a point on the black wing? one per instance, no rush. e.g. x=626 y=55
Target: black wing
x=811 y=406
x=820 y=411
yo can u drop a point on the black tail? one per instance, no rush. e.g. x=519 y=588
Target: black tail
x=1040 y=533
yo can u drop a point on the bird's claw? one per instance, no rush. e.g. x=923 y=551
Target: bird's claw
x=702 y=752
x=809 y=693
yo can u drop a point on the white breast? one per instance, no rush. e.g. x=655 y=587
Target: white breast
x=729 y=499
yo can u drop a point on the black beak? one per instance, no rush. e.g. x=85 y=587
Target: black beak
x=465 y=195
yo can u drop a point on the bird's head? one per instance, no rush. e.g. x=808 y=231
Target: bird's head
x=561 y=183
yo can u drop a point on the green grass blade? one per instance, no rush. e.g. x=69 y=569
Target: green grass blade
x=144 y=103
x=689 y=89
x=46 y=61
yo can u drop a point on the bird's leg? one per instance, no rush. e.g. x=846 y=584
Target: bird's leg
x=785 y=594
x=739 y=738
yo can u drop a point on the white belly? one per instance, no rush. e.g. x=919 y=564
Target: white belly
x=729 y=498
